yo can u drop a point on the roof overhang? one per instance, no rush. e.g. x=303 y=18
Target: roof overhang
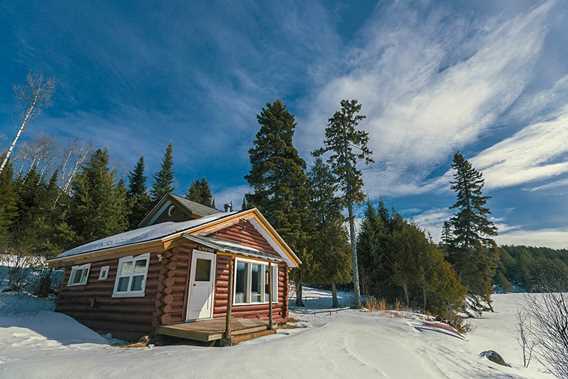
x=231 y=247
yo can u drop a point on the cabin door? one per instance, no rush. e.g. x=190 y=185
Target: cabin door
x=201 y=284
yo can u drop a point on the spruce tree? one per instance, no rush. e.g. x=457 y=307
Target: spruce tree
x=97 y=208
x=138 y=199
x=279 y=182
x=347 y=146
x=200 y=192
x=164 y=179
x=8 y=207
x=330 y=246
x=472 y=249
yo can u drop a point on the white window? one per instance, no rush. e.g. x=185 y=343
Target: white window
x=251 y=282
x=79 y=275
x=103 y=274
x=131 y=276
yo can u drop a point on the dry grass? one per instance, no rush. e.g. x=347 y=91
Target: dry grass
x=376 y=305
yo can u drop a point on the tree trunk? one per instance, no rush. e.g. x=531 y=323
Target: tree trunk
x=334 y=301
x=299 y=300
x=25 y=120
x=355 y=266
x=406 y=297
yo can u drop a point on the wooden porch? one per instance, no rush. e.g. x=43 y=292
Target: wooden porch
x=213 y=330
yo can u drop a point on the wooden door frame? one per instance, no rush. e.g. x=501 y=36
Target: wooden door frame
x=192 y=280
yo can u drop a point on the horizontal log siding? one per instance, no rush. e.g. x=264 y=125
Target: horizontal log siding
x=93 y=305
x=258 y=311
x=245 y=234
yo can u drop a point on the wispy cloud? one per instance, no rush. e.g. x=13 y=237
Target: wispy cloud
x=536 y=152
x=429 y=83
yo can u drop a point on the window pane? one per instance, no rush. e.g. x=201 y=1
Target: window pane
x=122 y=284
x=75 y=276
x=126 y=268
x=241 y=281
x=140 y=266
x=84 y=274
x=202 y=270
x=137 y=283
x=266 y=284
x=255 y=283
x=275 y=284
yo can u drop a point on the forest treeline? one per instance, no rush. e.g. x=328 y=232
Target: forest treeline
x=532 y=269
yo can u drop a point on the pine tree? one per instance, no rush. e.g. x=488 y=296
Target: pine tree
x=8 y=207
x=348 y=146
x=472 y=249
x=331 y=255
x=138 y=199
x=200 y=192
x=97 y=207
x=279 y=182
x=164 y=179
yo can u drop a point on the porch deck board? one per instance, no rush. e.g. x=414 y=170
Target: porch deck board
x=212 y=330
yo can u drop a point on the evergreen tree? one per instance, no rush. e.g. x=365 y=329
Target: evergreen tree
x=138 y=199
x=8 y=207
x=200 y=192
x=279 y=182
x=400 y=261
x=97 y=207
x=348 y=146
x=331 y=255
x=164 y=179
x=472 y=249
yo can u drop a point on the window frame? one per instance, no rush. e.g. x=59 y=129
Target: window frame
x=262 y=284
x=129 y=292
x=76 y=268
x=104 y=270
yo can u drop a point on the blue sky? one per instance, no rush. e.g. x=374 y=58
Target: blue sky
x=487 y=78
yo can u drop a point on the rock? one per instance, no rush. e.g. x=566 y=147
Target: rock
x=494 y=357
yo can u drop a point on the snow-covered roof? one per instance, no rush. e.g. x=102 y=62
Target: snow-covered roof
x=145 y=234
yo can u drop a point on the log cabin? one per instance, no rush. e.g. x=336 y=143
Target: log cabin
x=188 y=271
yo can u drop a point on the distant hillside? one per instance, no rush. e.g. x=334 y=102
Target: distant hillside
x=532 y=269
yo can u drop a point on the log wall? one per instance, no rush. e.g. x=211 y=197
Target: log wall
x=165 y=299
x=245 y=234
x=93 y=305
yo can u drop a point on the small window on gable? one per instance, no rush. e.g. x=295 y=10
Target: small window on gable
x=79 y=275
x=131 y=276
x=103 y=274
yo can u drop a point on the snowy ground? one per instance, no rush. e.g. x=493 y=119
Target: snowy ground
x=44 y=344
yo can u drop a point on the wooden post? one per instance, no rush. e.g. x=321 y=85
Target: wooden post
x=227 y=340
x=270 y=295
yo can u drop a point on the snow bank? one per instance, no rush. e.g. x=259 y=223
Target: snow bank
x=347 y=344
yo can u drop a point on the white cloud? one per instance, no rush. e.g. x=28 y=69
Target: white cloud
x=536 y=152
x=553 y=237
x=432 y=221
x=429 y=88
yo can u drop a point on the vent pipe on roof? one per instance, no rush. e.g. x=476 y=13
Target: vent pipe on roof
x=228 y=206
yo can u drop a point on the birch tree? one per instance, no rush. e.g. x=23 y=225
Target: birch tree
x=34 y=95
